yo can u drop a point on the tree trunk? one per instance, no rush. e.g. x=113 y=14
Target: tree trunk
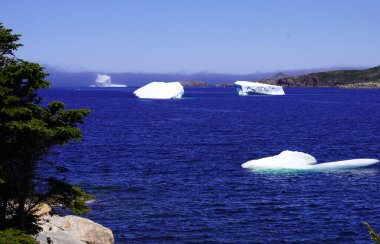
x=21 y=213
x=3 y=211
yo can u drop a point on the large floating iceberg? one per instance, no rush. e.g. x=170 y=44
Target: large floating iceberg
x=292 y=160
x=244 y=88
x=160 y=90
x=105 y=81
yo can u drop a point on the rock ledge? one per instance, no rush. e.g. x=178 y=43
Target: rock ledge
x=72 y=230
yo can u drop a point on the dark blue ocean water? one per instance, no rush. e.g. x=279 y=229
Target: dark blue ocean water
x=170 y=171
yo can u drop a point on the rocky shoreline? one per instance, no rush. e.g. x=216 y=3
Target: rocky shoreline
x=70 y=229
x=367 y=85
x=194 y=83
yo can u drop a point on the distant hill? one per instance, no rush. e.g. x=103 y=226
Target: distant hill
x=279 y=76
x=342 y=78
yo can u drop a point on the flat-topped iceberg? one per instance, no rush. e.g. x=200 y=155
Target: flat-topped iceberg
x=293 y=160
x=105 y=81
x=244 y=88
x=160 y=90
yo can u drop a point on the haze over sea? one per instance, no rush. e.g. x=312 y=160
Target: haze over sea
x=170 y=170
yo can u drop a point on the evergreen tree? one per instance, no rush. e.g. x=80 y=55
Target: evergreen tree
x=28 y=131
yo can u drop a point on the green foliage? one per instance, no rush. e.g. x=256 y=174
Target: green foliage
x=331 y=78
x=343 y=77
x=14 y=236
x=70 y=196
x=28 y=131
x=375 y=237
x=8 y=43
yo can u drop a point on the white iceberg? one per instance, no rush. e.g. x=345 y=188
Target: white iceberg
x=293 y=160
x=105 y=81
x=160 y=90
x=244 y=88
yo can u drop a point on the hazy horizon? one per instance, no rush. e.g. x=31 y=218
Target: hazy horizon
x=64 y=78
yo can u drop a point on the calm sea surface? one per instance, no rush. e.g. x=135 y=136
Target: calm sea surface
x=170 y=171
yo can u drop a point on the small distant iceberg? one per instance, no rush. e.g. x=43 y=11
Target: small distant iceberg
x=160 y=90
x=293 y=160
x=105 y=81
x=245 y=88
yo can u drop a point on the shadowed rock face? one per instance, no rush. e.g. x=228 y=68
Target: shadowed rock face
x=71 y=230
x=302 y=81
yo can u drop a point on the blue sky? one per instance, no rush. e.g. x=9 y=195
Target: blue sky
x=187 y=36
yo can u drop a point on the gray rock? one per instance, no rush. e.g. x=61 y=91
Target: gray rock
x=41 y=210
x=73 y=229
x=57 y=237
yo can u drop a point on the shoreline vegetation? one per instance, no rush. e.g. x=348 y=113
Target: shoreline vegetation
x=348 y=79
x=28 y=133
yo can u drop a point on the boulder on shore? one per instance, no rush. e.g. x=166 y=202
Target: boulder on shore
x=72 y=230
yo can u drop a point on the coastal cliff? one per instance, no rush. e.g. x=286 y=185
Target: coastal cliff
x=367 y=78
